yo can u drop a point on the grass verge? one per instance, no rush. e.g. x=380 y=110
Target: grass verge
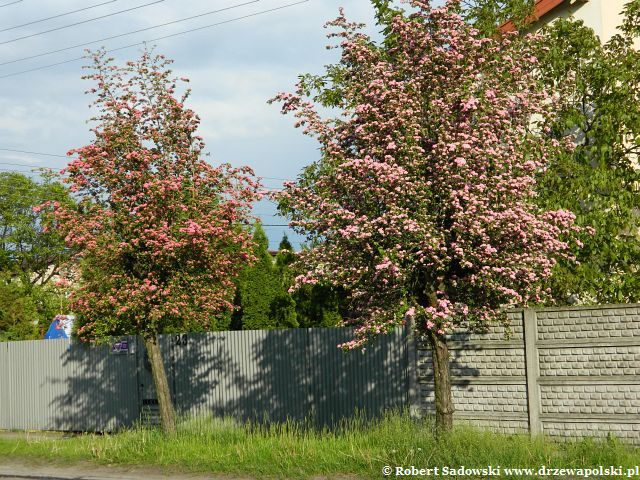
x=291 y=450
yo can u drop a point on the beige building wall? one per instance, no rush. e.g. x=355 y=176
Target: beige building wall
x=603 y=16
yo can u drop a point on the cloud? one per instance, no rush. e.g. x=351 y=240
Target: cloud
x=234 y=68
x=34 y=123
x=232 y=103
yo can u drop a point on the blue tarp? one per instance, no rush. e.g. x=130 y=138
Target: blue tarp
x=60 y=327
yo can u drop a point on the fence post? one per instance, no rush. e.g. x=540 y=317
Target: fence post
x=532 y=369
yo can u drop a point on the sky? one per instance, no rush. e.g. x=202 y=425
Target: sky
x=234 y=68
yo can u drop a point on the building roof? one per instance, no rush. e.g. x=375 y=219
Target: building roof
x=542 y=7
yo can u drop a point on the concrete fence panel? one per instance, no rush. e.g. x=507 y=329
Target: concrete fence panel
x=562 y=372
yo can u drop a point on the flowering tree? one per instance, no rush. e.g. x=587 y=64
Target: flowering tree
x=161 y=233
x=422 y=202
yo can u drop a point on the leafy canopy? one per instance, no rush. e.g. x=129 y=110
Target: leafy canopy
x=318 y=305
x=30 y=247
x=262 y=299
x=26 y=311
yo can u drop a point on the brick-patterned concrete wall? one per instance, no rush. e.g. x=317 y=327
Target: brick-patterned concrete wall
x=563 y=372
x=589 y=380
x=488 y=376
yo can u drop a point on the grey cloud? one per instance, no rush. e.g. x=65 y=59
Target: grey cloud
x=234 y=69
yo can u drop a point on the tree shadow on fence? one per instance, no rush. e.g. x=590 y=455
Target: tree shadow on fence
x=460 y=369
x=261 y=376
x=302 y=375
x=101 y=389
x=207 y=373
x=90 y=388
x=298 y=374
x=277 y=380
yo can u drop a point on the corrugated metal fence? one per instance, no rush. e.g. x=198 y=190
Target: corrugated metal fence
x=55 y=385
x=260 y=375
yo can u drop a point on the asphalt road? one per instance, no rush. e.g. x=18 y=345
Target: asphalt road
x=15 y=469
x=30 y=477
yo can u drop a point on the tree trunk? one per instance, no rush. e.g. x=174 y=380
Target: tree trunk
x=165 y=404
x=441 y=382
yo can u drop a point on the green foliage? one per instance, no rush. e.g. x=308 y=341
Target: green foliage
x=285 y=256
x=599 y=182
x=488 y=15
x=17 y=313
x=262 y=299
x=31 y=254
x=485 y=15
x=319 y=305
x=27 y=310
x=29 y=247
